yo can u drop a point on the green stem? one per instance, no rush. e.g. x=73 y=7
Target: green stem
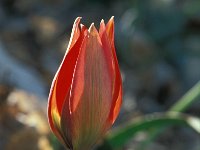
x=189 y=98
x=181 y=105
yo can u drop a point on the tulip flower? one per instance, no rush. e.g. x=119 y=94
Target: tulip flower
x=86 y=92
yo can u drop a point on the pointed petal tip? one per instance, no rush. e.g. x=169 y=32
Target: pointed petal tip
x=82 y=26
x=112 y=19
x=102 y=21
x=92 y=30
x=77 y=20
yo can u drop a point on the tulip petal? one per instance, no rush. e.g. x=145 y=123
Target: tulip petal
x=116 y=105
x=110 y=30
x=75 y=34
x=64 y=74
x=117 y=97
x=53 y=116
x=107 y=37
x=102 y=28
x=90 y=101
x=118 y=88
x=61 y=83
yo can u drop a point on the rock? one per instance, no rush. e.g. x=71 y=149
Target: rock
x=23 y=122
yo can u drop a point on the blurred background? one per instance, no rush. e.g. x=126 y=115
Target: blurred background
x=158 y=47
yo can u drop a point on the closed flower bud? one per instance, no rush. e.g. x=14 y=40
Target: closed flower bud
x=86 y=93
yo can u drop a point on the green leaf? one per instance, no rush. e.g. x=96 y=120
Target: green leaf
x=189 y=98
x=181 y=105
x=120 y=136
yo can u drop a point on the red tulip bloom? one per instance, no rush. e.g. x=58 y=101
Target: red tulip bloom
x=86 y=93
